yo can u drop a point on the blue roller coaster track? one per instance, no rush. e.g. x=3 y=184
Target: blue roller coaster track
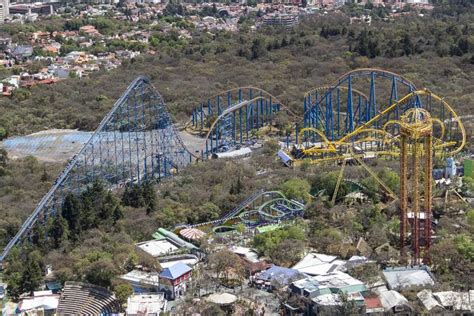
x=135 y=141
x=353 y=100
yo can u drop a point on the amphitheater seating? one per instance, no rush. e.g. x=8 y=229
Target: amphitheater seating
x=86 y=299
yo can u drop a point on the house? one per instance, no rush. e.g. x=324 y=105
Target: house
x=89 y=30
x=146 y=304
x=22 y=52
x=173 y=280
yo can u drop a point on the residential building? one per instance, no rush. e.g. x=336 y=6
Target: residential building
x=22 y=52
x=281 y=19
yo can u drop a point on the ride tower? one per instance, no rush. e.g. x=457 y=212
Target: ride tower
x=416 y=177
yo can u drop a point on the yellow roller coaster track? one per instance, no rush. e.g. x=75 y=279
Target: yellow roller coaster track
x=387 y=138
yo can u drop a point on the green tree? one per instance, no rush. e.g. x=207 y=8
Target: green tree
x=58 y=231
x=101 y=272
x=149 y=197
x=258 y=48
x=71 y=212
x=3 y=133
x=390 y=178
x=118 y=214
x=32 y=273
x=122 y=292
x=297 y=189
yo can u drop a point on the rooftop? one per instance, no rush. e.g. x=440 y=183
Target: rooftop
x=248 y=253
x=430 y=303
x=146 y=304
x=373 y=304
x=339 y=280
x=390 y=298
x=398 y=278
x=142 y=277
x=318 y=264
x=46 y=301
x=457 y=301
x=280 y=274
x=157 y=248
x=175 y=271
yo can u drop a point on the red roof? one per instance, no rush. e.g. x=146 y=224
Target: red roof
x=373 y=302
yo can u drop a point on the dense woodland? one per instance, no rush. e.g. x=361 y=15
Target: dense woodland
x=92 y=236
x=436 y=52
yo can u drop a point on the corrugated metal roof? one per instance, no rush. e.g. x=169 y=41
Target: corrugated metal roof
x=405 y=277
x=175 y=271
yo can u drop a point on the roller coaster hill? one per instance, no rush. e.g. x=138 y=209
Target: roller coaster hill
x=364 y=114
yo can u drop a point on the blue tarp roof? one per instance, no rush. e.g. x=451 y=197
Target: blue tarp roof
x=281 y=275
x=284 y=156
x=175 y=271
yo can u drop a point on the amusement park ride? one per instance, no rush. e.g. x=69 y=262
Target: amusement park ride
x=364 y=114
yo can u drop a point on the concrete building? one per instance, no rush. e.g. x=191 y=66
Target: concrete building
x=142 y=281
x=323 y=292
x=146 y=304
x=40 y=302
x=281 y=19
x=4 y=10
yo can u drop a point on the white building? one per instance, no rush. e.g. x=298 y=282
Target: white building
x=4 y=10
x=146 y=304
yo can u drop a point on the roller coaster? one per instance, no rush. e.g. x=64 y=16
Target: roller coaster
x=364 y=114
x=231 y=118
